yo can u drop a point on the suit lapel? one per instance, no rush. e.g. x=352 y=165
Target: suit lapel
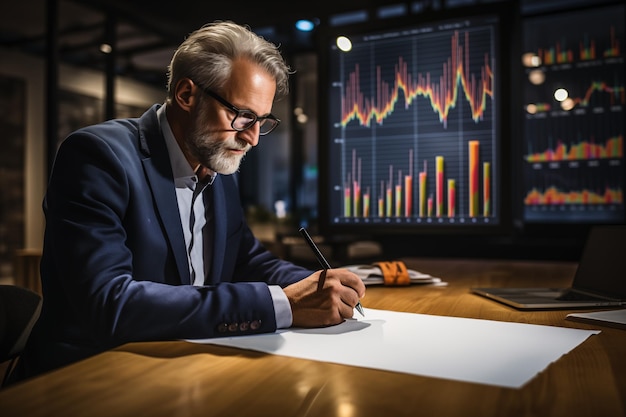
x=158 y=172
x=218 y=203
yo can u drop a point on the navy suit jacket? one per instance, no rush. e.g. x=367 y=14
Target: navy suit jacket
x=114 y=267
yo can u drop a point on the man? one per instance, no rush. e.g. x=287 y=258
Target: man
x=145 y=235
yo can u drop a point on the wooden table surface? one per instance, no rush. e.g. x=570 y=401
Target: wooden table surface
x=185 y=379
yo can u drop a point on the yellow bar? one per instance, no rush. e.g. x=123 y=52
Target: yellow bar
x=486 y=189
x=439 y=191
x=422 y=210
x=451 y=198
x=473 y=178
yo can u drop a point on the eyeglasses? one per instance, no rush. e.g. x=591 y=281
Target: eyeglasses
x=244 y=119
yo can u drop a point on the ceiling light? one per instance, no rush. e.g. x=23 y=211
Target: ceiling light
x=344 y=44
x=105 y=48
x=305 y=25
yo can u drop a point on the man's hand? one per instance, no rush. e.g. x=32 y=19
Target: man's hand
x=317 y=307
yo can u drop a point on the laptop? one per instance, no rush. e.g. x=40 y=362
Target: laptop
x=600 y=279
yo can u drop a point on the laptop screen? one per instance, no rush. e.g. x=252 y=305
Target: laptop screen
x=602 y=267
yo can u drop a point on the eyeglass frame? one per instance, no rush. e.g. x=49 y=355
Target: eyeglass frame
x=239 y=111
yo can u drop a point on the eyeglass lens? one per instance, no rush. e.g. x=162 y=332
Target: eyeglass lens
x=244 y=120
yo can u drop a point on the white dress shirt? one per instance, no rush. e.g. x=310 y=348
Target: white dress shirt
x=186 y=181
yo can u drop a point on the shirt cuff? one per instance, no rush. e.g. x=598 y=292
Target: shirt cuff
x=282 y=308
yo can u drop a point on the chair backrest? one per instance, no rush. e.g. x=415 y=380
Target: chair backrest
x=19 y=310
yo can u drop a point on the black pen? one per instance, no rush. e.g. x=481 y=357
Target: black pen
x=324 y=263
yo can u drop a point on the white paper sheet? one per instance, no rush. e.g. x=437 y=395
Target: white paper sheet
x=480 y=351
x=612 y=318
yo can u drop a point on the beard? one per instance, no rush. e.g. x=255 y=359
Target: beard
x=214 y=152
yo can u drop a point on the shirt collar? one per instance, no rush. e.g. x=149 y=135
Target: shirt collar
x=184 y=175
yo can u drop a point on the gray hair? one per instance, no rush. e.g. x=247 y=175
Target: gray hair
x=206 y=57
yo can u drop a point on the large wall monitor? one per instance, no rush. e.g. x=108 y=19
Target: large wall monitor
x=573 y=90
x=412 y=132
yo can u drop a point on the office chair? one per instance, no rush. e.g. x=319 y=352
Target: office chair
x=19 y=310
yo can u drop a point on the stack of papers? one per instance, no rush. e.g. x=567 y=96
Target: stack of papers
x=372 y=275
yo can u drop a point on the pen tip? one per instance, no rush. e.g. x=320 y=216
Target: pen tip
x=359 y=308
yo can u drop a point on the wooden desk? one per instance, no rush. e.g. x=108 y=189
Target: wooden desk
x=184 y=379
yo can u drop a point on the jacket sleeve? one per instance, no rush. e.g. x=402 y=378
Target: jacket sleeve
x=108 y=270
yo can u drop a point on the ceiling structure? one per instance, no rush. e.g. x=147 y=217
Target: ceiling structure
x=147 y=32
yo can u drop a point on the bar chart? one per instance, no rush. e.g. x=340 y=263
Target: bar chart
x=415 y=128
x=573 y=156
